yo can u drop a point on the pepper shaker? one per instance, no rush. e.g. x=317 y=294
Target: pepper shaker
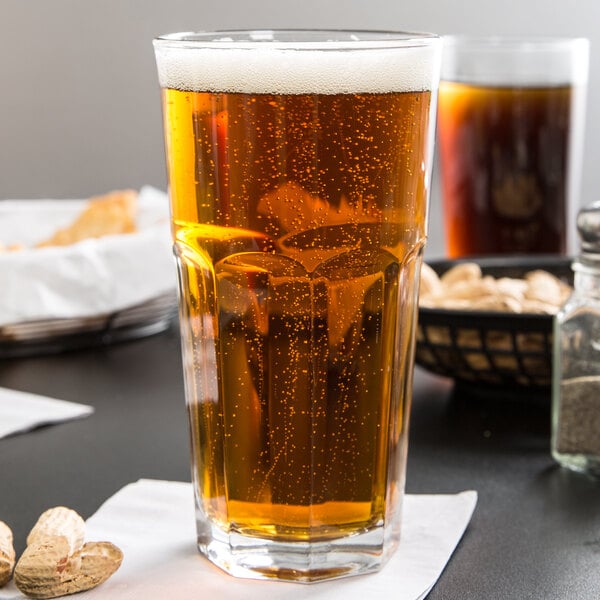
x=576 y=358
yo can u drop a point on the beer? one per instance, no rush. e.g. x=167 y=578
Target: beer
x=299 y=222
x=504 y=153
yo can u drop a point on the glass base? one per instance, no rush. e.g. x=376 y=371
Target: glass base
x=300 y=562
x=582 y=463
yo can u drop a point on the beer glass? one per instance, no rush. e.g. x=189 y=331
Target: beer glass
x=510 y=126
x=299 y=167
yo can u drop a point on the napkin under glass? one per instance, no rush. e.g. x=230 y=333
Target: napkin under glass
x=153 y=524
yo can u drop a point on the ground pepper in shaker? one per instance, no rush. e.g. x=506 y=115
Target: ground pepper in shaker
x=576 y=364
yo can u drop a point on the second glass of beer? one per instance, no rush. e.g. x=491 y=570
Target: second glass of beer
x=299 y=166
x=511 y=116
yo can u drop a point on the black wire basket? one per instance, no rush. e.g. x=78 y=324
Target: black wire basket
x=491 y=350
x=49 y=336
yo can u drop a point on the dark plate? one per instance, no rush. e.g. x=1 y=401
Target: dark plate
x=491 y=350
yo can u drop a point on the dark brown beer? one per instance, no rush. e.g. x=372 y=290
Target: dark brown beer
x=505 y=167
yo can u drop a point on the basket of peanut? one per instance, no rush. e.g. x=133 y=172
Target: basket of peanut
x=487 y=323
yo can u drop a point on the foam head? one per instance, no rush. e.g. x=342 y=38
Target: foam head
x=298 y=62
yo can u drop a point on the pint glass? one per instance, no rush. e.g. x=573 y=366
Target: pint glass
x=299 y=167
x=510 y=123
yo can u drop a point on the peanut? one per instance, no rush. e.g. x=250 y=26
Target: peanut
x=56 y=561
x=59 y=521
x=547 y=288
x=7 y=553
x=511 y=288
x=469 y=289
x=463 y=287
x=462 y=272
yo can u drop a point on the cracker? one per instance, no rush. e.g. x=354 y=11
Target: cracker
x=109 y=214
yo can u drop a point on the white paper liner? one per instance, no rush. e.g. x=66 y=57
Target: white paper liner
x=91 y=277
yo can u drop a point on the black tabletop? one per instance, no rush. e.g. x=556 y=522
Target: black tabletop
x=535 y=532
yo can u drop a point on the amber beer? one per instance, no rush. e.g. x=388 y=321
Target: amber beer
x=299 y=213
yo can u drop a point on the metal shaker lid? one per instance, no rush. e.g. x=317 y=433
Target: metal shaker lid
x=588 y=226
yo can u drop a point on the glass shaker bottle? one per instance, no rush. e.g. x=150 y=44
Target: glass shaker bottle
x=576 y=361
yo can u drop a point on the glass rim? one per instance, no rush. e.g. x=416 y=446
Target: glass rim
x=525 y=61
x=297 y=39
x=509 y=43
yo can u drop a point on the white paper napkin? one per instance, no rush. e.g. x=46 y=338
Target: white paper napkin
x=153 y=523
x=22 y=411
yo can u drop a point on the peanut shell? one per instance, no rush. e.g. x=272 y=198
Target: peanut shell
x=7 y=553
x=59 y=521
x=57 y=563
x=43 y=572
x=467 y=271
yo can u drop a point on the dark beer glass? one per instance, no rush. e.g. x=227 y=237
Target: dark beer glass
x=510 y=127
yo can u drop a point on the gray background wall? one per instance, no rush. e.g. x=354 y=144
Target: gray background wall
x=79 y=101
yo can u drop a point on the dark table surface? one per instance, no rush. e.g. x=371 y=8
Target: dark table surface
x=535 y=532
